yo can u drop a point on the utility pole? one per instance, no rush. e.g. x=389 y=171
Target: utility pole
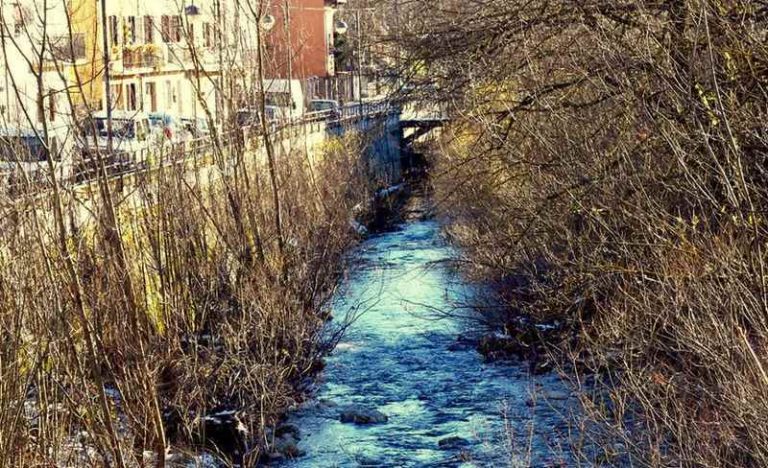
x=359 y=61
x=107 y=85
x=287 y=25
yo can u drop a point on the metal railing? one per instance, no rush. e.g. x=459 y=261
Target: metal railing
x=140 y=58
x=120 y=163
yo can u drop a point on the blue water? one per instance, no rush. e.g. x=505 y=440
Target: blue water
x=395 y=358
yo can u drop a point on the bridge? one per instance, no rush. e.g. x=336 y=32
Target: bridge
x=419 y=118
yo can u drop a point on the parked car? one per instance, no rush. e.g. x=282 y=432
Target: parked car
x=196 y=126
x=25 y=155
x=272 y=113
x=169 y=126
x=132 y=140
x=287 y=98
x=249 y=117
x=330 y=108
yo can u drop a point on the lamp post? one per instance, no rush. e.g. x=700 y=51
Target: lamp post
x=192 y=14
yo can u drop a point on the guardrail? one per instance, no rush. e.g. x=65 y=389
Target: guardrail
x=119 y=163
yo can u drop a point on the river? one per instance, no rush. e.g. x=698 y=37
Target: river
x=401 y=357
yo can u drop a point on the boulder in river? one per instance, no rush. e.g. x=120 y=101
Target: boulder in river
x=463 y=343
x=452 y=443
x=288 y=429
x=499 y=346
x=358 y=415
x=288 y=446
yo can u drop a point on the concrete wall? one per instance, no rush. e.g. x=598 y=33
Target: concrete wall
x=382 y=156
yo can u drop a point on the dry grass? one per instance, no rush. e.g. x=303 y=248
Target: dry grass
x=118 y=341
x=606 y=169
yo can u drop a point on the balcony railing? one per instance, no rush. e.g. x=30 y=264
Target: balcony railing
x=159 y=55
x=143 y=57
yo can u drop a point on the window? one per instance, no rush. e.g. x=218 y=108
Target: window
x=131 y=95
x=176 y=28
x=40 y=110
x=142 y=130
x=152 y=93
x=21 y=16
x=114 y=32
x=165 y=28
x=168 y=94
x=170 y=28
x=66 y=49
x=149 y=29
x=117 y=97
x=26 y=148
x=131 y=30
x=207 y=39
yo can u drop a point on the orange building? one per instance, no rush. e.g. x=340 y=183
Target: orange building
x=300 y=45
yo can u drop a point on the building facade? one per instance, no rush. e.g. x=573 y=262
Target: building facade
x=191 y=58
x=300 y=45
x=163 y=57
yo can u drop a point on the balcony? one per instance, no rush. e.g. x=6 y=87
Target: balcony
x=143 y=56
x=156 y=56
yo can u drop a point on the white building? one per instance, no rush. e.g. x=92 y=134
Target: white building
x=24 y=103
x=163 y=56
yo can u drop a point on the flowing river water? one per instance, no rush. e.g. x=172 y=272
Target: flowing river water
x=400 y=357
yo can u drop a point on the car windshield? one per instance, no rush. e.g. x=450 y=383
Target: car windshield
x=160 y=120
x=322 y=105
x=121 y=128
x=23 y=149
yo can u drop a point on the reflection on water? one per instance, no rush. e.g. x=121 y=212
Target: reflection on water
x=395 y=358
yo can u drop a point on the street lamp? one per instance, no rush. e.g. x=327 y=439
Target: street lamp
x=192 y=10
x=268 y=22
x=341 y=27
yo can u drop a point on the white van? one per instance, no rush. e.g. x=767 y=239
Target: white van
x=287 y=96
x=25 y=156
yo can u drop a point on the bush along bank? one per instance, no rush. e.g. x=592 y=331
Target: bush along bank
x=614 y=156
x=189 y=327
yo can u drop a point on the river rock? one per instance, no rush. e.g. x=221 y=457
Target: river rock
x=359 y=415
x=452 y=443
x=325 y=404
x=288 y=429
x=288 y=446
x=499 y=346
x=274 y=457
x=370 y=463
x=463 y=343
